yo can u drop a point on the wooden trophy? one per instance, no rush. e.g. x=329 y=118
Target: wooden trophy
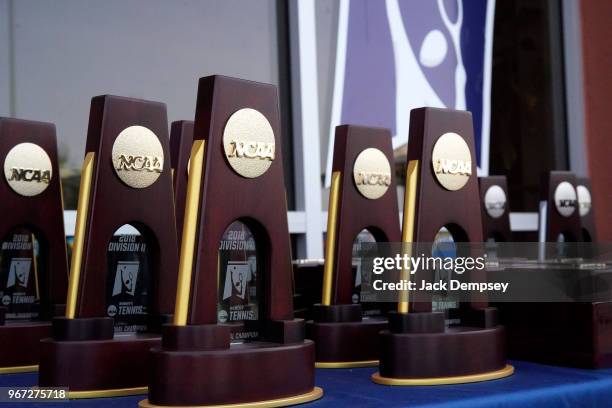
x=362 y=197
x=585 y=209
x=559 y=218
x=495 y=211
x=441 y=191
x=121 y=287
x=576 y=333
x=234 y=339
x=181 y=139
x=33 y=265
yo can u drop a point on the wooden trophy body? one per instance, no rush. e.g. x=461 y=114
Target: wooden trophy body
x=363 y=196
x=31 y=206
x=236 y=174
x=126 y=179
x=559 y=207
x=573 y=334
x=586 y=209
x=495 y=208
x=181 y=139
x=441 y=191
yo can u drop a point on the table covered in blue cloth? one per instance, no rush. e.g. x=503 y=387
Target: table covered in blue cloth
x=532 y=385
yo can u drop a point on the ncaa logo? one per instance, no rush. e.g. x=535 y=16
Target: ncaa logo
x=111 y=311
x=222 y=316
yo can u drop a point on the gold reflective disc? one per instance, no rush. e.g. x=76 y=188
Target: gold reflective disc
x=584 y=200
x=248 y=142
x=138 y=157
x=451 y=161
x=565 y=199
x=27 y=169
x=495 y=201
x=372 y=173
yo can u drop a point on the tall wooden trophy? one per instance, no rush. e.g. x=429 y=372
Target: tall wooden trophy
x=495 y=211
x=181 y=139
x=441 y=190
x=558 y=217
x=121 y=287
x=234 y=339
x=362 y=197
x=585 y=209
x=567 y=333
x=33 y=267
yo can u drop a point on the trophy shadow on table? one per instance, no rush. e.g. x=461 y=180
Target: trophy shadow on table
x=125 y=257
x=33 y=265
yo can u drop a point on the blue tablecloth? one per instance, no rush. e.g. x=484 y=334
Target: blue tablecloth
x=532 y=385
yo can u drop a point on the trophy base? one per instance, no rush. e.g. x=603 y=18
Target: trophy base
x=335 y=343
x=98 y=368
x=419 y=350
x=566 y=334
x=247 y=373
x=313 y=395
x=20 y=345
x=508 y=370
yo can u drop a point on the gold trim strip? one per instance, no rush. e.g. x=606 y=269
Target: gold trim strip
x=330 y=241
x=190 y=225
x=315 y=394
x=65 y=243
x=115 y=392
x=410 y=193
x=79 y=234
x=19 y=369
x=508 y=370
x=346 y=364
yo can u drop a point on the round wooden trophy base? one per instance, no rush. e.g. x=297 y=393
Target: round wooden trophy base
x=419 y=350
x=334 y=330
x=98 y=368
x=336 y=346
x=248 y=374
x=20 y=345
x=313 y=395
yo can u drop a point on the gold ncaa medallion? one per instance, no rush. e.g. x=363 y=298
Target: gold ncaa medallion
x=27 y=169
x=248 y=142
x=565 y=198
x=138 y=157
x=584 y=200
x=372 y=173
x=495 y=201
x=451 y=161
